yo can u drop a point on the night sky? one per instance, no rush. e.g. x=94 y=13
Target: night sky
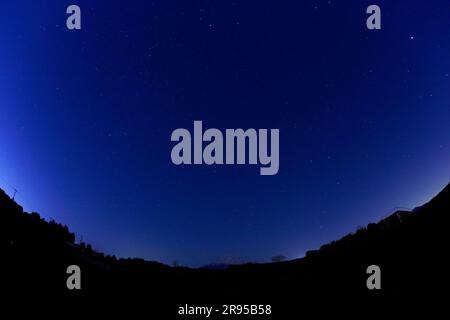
x=86 y=118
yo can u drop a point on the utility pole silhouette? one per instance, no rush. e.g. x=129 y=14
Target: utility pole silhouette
x=15 y=192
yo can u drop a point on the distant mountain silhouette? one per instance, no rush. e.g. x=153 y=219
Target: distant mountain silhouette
x=411 y=248
x=216 y=266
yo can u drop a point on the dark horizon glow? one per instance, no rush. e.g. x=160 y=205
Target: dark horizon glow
x=86 y=118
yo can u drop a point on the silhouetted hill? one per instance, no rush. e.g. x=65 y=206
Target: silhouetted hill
x=409 y=247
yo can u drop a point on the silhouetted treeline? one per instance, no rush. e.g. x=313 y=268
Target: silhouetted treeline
x=410 y=248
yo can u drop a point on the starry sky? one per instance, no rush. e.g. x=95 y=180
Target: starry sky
x=86 y=118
